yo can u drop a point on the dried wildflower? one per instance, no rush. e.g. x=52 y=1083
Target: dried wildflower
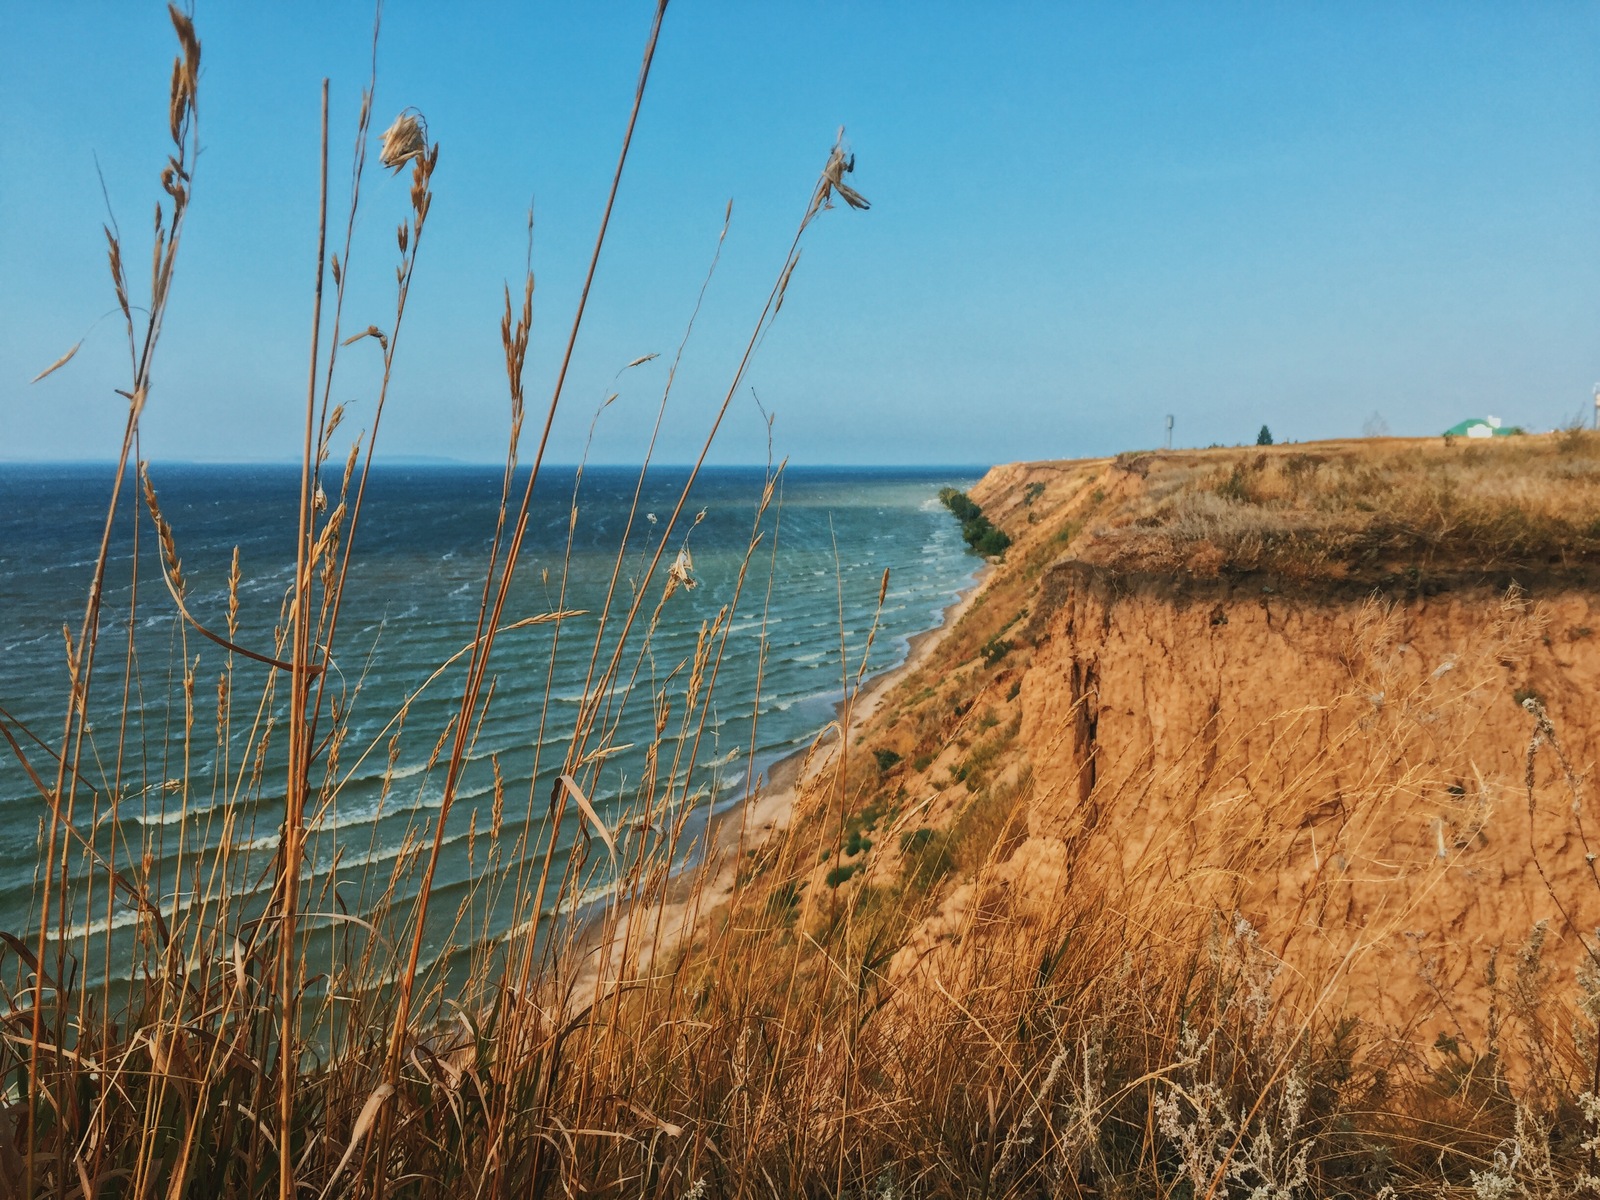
x=405 y=140
x=117 y=277
x=680 y=573
x=233 y=595
x=788 y=273
x=183 y=25
x=497 y=814
x=681 y=568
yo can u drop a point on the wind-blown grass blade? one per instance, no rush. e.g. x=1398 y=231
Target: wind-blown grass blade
x=59 y=363
x=589 y=814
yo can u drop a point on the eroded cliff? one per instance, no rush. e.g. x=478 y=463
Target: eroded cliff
x=1256 y=683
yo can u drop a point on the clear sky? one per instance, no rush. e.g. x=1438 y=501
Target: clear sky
x=1085 y=216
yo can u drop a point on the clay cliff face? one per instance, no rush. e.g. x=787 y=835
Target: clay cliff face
x=1386 y=775
x=1349 y=776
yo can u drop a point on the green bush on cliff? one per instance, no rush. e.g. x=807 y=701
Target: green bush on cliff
x=994 y=650
x=977 y=530
x=840 y=875
x=985 y=538
x=959 y=503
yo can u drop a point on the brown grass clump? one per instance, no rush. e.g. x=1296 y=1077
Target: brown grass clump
x=1344 y=510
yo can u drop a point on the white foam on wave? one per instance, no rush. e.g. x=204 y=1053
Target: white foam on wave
x=174 y=817
x=382 y=854
x=727 y=758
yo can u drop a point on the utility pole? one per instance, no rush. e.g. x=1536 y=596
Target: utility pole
x=1596 y=406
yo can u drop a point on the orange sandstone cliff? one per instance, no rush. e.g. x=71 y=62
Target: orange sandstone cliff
x=1339 y=691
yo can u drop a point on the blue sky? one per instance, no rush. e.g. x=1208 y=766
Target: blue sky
x=1085 y=216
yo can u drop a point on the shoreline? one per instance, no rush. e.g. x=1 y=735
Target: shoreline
x=697 y=890
x=787 y=775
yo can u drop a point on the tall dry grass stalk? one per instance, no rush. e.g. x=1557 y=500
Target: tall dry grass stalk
x=193 y=1076
x=932 y=1021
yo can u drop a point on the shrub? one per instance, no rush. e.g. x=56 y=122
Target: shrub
x=1301 y=466
x=994 y=650
x=886 y=759
x=989 y=541
x=1573 y=437
x=1236 y=486
x=959 y=503
x=976 y=529
x=928 y=857
x=841 y=874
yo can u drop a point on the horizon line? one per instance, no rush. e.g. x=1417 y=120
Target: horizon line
x=433 y=461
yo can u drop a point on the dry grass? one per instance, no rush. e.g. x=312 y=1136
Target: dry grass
x=1522 y=505
x=871 y=1013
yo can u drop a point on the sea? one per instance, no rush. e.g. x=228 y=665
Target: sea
x=754 y=620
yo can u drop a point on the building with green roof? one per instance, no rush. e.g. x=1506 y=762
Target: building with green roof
x=1481 y=427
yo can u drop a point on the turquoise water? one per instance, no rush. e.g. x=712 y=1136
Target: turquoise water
x=176 y=808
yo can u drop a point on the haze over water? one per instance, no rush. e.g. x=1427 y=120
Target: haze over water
x=411 y=603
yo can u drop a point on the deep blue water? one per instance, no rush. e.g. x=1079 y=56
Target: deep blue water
x=185 y=804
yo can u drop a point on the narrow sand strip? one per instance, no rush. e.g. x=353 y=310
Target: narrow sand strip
x=708 y=886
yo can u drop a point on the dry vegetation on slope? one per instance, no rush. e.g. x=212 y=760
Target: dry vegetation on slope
x=1201 y=857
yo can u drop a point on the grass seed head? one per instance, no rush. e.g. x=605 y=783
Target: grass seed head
x=169 y=546
x=841 y=162
x=59 y=363
x=371 y=331
x=681 y=572
x=404 y=140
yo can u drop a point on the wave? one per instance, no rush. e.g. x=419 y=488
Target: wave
x=412 y=599
x=729 y=757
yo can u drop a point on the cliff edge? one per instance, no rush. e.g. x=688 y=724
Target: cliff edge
x=1340 y=692
x=1236 y=840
